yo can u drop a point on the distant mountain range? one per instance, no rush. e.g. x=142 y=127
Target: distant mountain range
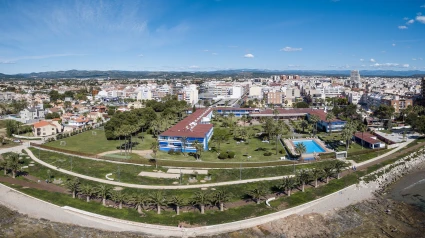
x=116 y=74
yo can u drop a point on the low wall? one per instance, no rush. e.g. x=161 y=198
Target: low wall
x=28 y=137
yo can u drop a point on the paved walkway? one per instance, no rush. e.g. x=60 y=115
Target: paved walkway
x=128 y=185
x=40 y=209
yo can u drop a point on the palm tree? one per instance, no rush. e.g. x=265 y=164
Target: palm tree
x=183 y=141
x=347 y=135
x=13 y=163
x=178 y=201
x=327 y=172
x=154 y=147
x=222 y=196
x=258 y=193
x=303 y=177
x=329 y=117
x=300 y=148
x=202 y=198
x=304 y=125
x=315 y=174
x=275 y=113
x=338 y=166
x=3 y=165
x=198 y=147
x=290 y=184
x=118 y=197
x=103 y=191
x=362 y=128
x=139 y=201
x=157 y=199
x=244 y=119
x=88 y=191
x=73 y=185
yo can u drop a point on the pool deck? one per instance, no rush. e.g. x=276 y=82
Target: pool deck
x=290 y=145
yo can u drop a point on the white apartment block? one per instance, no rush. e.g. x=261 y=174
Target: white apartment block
x=144 y=93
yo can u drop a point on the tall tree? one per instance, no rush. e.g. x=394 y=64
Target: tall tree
x=314 y=119
x=155 y=147
x=300 y=149
x=329 y=117
x=362 y=128
x=199 y=147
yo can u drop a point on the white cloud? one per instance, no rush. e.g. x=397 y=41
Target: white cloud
x=406 y=18
x=421 y=19
x=7 y=62
x=383 y=52
x=372 y=60
x=290 y=49
x=361 y=60
x=294 y=66
x=206 y=50
x=140 y=55
x=193 y=67
x=420 y=59
x=385 y=65
x=249 y=56
x=393 y=44
x=419 y=14
x=411 y=21
x=423 y=6
x=413 y=59
x=405 y=65
x=402 y=27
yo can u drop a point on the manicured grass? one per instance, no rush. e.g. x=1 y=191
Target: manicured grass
x=128 y=173
x=368 y=156
x=241 y=149
x=193 y=217
x=86 y=142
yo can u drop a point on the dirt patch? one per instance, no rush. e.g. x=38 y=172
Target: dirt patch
x=33 y=183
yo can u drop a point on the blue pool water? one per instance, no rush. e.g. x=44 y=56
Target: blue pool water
x=311 y=146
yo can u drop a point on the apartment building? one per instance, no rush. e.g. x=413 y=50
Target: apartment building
x=274 y=98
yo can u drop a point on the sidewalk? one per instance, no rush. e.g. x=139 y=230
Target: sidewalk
x=129 y=185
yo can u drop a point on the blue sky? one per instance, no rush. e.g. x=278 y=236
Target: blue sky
x=197 y=35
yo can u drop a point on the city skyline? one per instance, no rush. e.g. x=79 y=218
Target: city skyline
x=187 y=35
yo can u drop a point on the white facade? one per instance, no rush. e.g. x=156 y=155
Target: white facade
x=144 y=93
x=255 y=91
x=190 y=94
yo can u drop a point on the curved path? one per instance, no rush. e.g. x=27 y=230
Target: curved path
x=40 y=209
x=129 y=185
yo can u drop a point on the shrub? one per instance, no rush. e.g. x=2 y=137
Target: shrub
x=231 y=154
x=177 y=152
x=267 y=154
x=171 y=152
x=281 y=151
x=223 y=155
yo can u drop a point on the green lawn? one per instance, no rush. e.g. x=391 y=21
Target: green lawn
x=368 y=156
x=128 y=173
x=86 y=142
x=193 y=217
x=242 y=150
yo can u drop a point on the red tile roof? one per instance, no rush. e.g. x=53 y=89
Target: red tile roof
x=183 y=128
x=369 y=138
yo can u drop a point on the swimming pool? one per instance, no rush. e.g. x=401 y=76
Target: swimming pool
x=311 y=146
